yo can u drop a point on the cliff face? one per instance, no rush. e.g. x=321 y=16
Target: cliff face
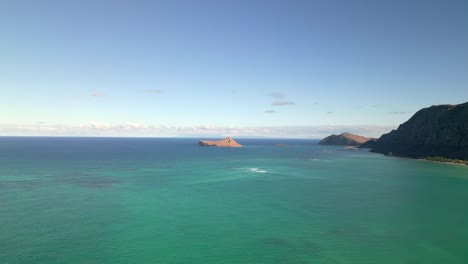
x=344 y=139
x=436 y=131
x=227 y=142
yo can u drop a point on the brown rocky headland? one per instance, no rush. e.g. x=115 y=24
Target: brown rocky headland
x=344 y=139
x=226 y=142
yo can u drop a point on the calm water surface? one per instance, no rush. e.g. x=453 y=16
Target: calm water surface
x=121 y=200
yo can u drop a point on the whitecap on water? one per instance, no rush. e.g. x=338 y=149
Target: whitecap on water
x=257 y=170
x=237 y=174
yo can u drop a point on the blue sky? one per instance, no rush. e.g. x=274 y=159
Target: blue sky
x=96 y=67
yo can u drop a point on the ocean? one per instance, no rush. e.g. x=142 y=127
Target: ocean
x=167 y=200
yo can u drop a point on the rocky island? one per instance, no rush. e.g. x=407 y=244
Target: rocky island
x=344 y=139
x=227 y=142
x=438 y=133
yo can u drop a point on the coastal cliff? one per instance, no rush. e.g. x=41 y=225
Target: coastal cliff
x=227 y=142
x=436 y=131
x=344 y=139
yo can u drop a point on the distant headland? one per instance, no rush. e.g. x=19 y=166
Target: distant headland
x=438 y=133
x=226 y=142
x=344 y=139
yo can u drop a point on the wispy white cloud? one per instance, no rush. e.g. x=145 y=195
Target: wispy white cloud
x=130 y=125
x=397 y=113
x=96 y=125
x=282 y=103
x=130 y=129
x=271 y=112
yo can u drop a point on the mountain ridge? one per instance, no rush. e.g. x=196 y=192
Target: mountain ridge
x=435 y=131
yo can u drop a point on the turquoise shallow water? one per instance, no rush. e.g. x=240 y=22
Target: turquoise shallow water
x=117 y=200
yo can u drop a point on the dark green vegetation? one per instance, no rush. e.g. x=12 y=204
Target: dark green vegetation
x=436 y=131
x=455 y=161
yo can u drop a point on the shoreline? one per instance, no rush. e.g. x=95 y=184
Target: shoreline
x=431 y=159
x=445 y=160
